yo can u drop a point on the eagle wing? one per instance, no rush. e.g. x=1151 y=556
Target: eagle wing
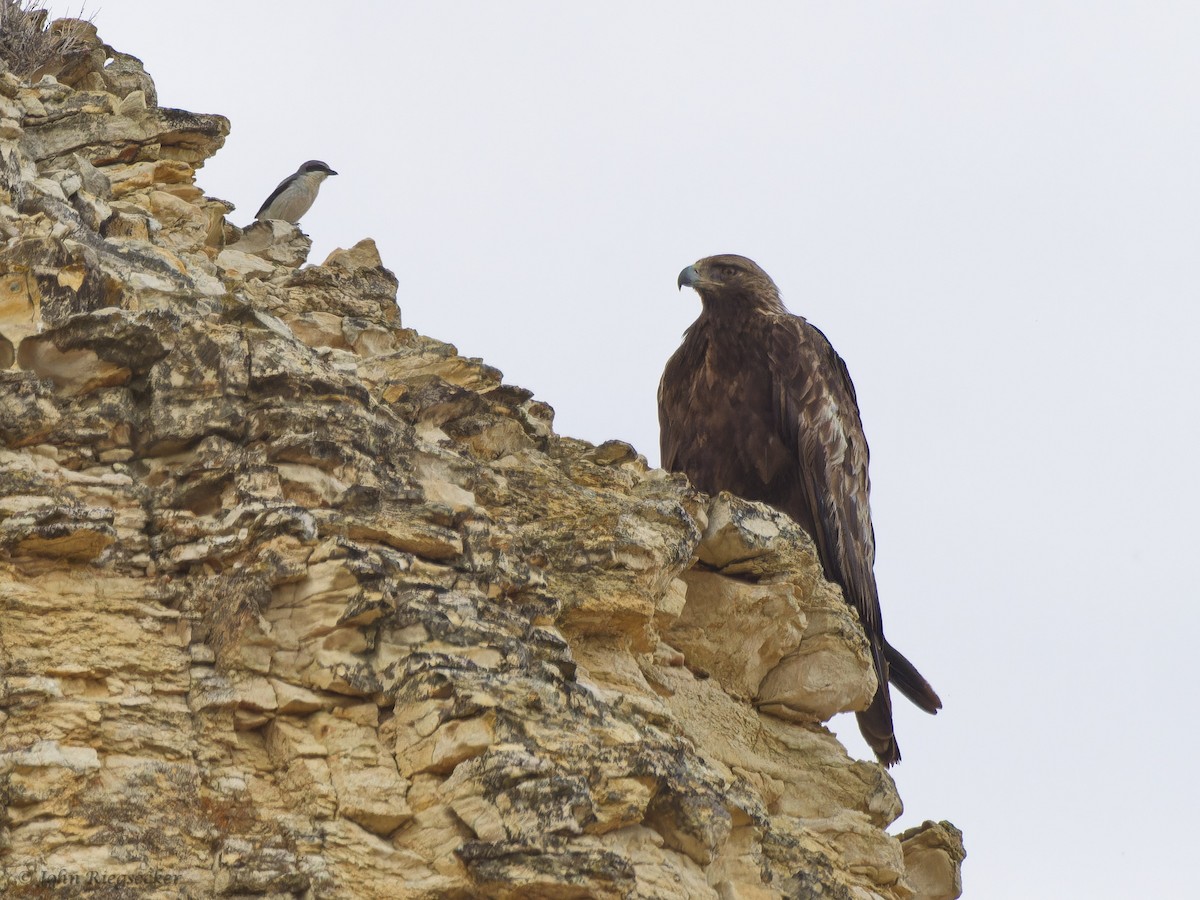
x=818 y=420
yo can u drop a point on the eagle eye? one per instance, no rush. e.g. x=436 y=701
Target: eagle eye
x=728 y=271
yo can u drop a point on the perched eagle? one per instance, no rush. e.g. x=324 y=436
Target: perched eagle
x=757 y=402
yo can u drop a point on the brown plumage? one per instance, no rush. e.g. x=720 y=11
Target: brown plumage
x=756 y=402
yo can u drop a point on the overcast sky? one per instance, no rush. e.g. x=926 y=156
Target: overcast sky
x=989 y=208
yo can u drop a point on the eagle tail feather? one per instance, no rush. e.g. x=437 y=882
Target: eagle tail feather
x=909 y=681
x=875 y=723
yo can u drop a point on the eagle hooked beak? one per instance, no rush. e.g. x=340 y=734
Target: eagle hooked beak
x=689 y=277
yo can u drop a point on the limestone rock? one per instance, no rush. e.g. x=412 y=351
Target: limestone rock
x=737 y=631
x=933 y=856
x=295 y=602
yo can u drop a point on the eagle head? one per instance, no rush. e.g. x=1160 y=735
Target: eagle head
x=731 y=282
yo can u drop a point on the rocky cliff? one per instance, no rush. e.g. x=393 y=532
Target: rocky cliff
x=295 y=602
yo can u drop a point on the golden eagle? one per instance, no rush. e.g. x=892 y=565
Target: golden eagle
x=757 y=402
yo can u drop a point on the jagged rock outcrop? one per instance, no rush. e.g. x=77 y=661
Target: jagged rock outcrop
x=295 y=602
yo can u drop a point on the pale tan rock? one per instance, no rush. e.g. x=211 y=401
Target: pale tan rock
x=371 y=796
x=661 y=873
x=73 y=372
x=183 y=225
x=20 y=313
x=754 y=540
x=124 y=77
x=669 y=607
x=363 y=255
x=10 y=84
x=933 y=857
x=368 y=788
x=444 y=747
x=737 y=631
x=245 y=265
x=863 y=849
x=318 y=329
x=127 y=178
x=154 y=132
x=796 y=770
x=822 y=678
x=276 y=242
x=133 y=101
x=297 y=602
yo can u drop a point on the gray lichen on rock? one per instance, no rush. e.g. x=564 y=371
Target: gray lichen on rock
x=297 y=602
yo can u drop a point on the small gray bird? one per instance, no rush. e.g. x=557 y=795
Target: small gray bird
x=295 y=193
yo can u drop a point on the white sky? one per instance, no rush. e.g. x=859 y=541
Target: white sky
x=989 y=208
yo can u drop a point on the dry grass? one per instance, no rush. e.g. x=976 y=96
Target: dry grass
x=28 y=44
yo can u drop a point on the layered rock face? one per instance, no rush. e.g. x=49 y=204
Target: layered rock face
x=295 y=602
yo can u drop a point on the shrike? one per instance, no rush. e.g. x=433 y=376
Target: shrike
x=295 y=193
